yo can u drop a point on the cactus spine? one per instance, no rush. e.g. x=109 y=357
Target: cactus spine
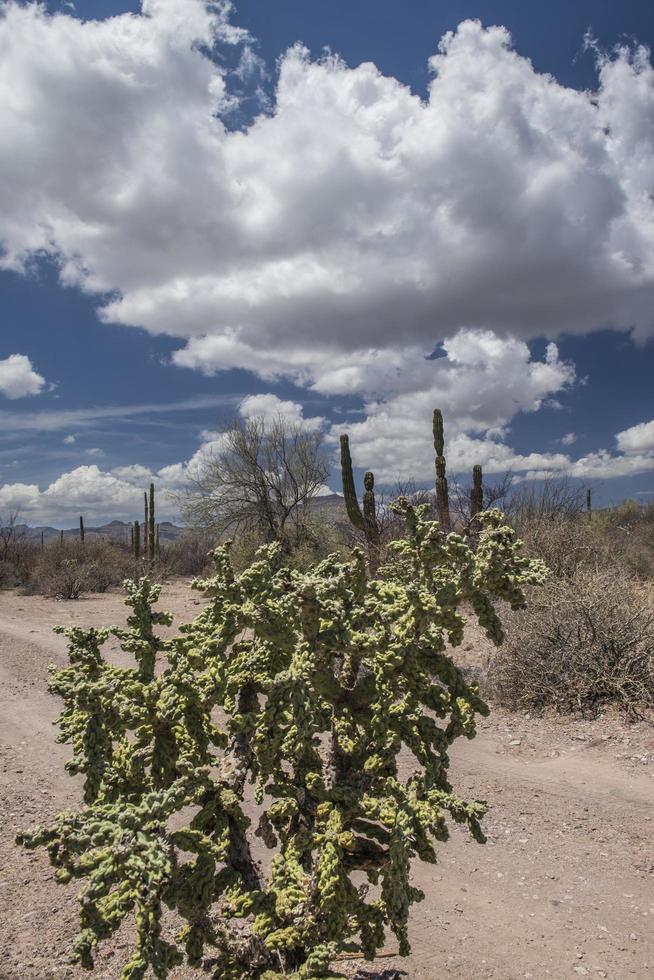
x=442 y=496
x=151 y=535
x=366 y=521
x=137 y=539
x=81 y=529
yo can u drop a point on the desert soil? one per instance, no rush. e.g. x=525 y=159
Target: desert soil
x=563 y=888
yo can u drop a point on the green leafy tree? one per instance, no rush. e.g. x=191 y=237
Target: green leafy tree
x=321 y=678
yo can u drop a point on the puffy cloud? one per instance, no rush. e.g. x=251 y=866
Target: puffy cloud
x=85 y=489
x=568 y=439
x=18 y=378
x=637 y=439
x=270 y=406
x=69 y=440
x=351 y=221
x=480 y=384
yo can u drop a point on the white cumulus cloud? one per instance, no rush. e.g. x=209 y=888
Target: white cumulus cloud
x=18 y=378
x=638 y=439
x=351 y=221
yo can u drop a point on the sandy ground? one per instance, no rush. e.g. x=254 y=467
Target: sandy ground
x=563 y=888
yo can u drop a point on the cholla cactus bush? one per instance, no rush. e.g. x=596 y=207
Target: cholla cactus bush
x=322 y=678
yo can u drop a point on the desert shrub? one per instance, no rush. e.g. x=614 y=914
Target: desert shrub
x=322 y=678
x=66 y=569
x=585 y=640
x=186 y=555
x=18 y=553
x=567 y=544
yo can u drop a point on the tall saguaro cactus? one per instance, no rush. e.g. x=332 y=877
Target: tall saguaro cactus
x=477 y=492
x=81 y=528
x=151 y=532
x=442 y=495
x=137 y=539
x=146 y=524
x=365 y=521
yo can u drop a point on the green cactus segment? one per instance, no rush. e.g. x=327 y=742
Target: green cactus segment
x=81 y=529
x=137 y=539
x=369 y=509
x=146 y=524
x=349 y=490
x=365 y=521
x=442 y=494
x=321 y=679
x=152 y=532
x=477 y=492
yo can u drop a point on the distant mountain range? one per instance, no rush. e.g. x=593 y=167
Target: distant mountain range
x=114 y=530
x=331 y=505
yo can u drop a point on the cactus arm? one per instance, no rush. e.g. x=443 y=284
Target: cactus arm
x=349 y=490
x=369 y=509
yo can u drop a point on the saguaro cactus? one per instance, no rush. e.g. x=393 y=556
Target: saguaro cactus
x=442 y=495
x=137 y=539
x=151 y=534
x=365 y=521
x=589 y=499
x=81 y=528
x=477 y=492
x=146 y=524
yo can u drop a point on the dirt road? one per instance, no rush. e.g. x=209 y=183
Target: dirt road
x=563 y=888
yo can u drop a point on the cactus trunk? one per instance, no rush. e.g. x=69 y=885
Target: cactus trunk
x=151 y=534
x=477 y=492
x=137 y=539
x=146 y=524
x=81 y=529
x=442 y=495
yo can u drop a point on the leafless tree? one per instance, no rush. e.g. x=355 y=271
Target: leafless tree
x=261 y=480
x=554 y=498
x=11 y=536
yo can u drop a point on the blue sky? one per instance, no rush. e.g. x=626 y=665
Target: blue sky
x=201 y=220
